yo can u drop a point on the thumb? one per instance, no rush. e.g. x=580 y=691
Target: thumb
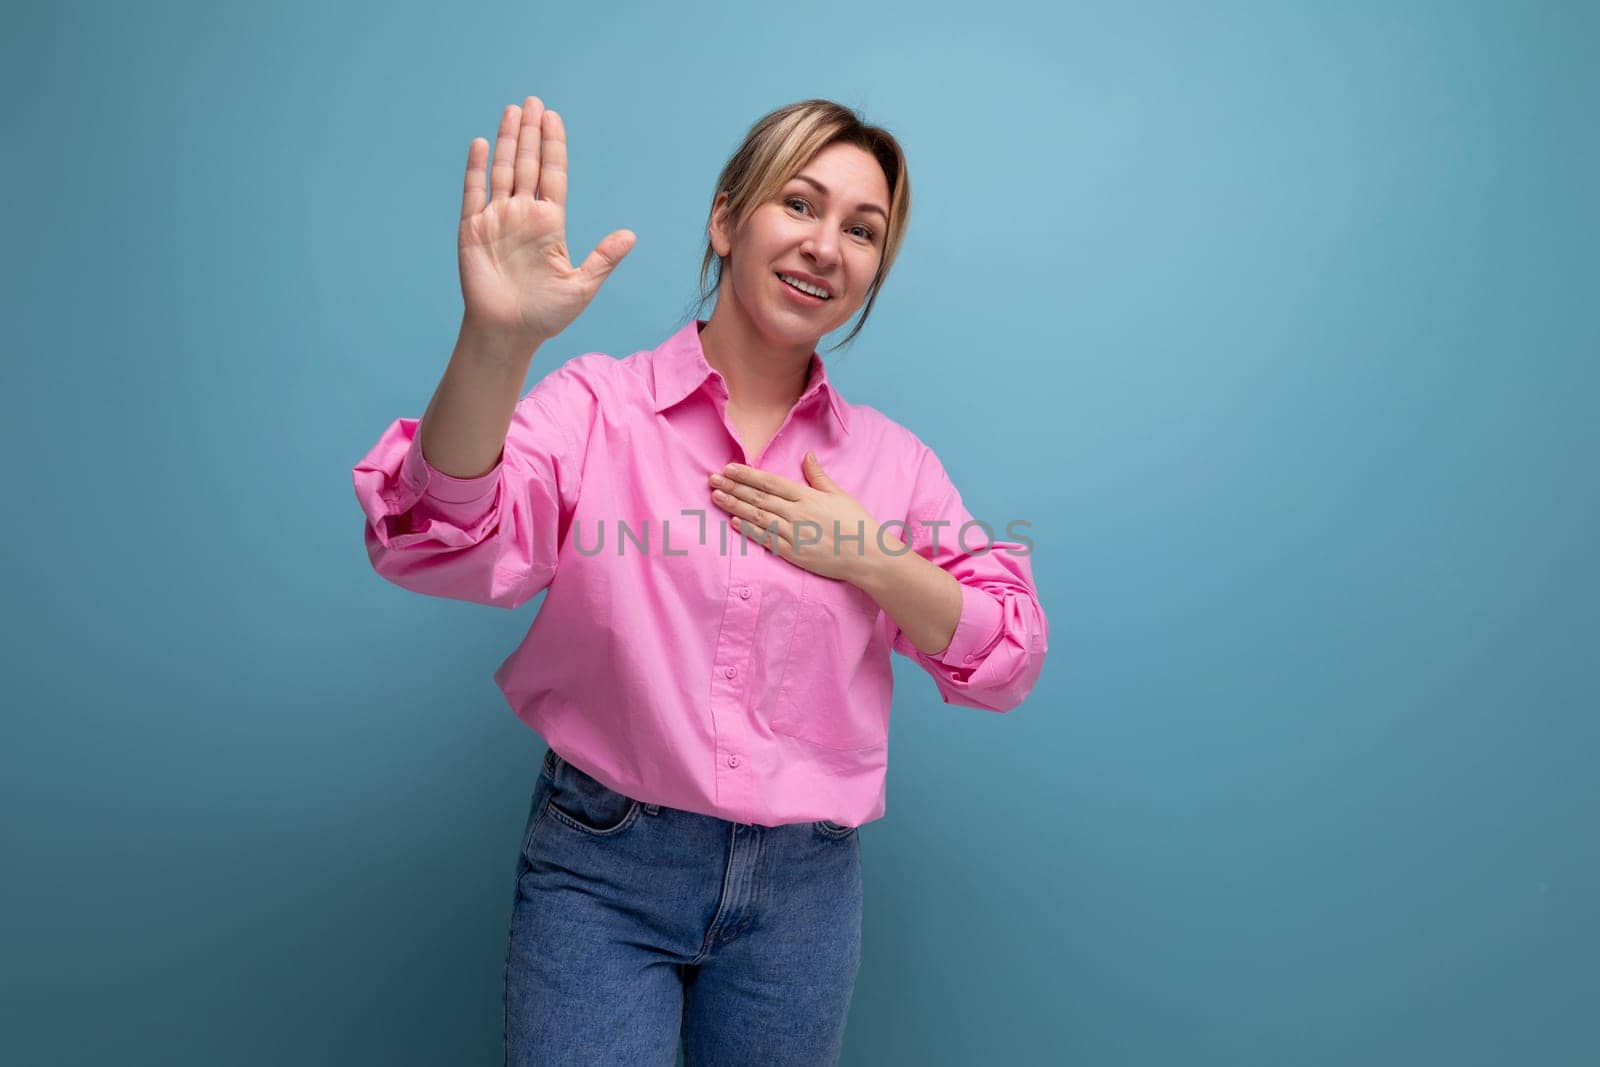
x=814 y=472
x=607 y=254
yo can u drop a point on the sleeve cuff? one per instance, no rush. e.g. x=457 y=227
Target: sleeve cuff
x=979 y=626
x=451 y=497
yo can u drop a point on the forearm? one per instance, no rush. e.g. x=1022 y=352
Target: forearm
x=463 y=430
x=921 y=597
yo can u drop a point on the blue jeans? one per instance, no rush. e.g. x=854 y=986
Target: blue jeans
x=635 y=926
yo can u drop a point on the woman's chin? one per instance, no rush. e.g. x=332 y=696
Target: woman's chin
x=784 y=326
x=784 y=323
x=804 y=322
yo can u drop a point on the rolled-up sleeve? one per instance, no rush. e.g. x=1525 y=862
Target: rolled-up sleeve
x=493 y=539
x=999 y=645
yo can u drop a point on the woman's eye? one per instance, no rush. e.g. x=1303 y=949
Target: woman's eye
x=866 y=232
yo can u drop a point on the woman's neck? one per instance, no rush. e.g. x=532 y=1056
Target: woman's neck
x=761 y=378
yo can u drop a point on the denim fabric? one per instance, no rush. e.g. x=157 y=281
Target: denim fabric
x=636 y=926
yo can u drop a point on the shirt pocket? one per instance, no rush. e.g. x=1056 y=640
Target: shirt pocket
x=837 y=678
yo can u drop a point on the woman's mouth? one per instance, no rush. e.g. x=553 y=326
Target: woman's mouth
x=800 y=296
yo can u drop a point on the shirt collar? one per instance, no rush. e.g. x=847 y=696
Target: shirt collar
x=680 y=368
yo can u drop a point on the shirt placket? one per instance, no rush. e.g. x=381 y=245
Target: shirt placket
x=736 y=785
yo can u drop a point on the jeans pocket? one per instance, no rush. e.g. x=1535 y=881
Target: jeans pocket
x=829 y=828
x=581 y=802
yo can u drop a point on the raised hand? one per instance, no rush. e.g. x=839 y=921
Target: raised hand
x=517 y=277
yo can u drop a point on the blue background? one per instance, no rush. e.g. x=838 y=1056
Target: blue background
x=1278 y=321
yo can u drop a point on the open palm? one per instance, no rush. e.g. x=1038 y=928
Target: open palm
x=517 y=276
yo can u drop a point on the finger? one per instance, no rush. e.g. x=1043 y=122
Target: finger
x=775 y=484
x=735 y=507
x=815 y=474
x=526 y=170
x=505 y=153
x=553 y=165
x=607 y=254
x=759 y=523
x=741 y=509
x=755 y=498
x=768 y=535
x=472 y=197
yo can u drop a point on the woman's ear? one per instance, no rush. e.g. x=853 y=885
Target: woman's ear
x=718 y=228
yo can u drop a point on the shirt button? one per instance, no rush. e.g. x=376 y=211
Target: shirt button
x=731 y=671
x=744 y=594
x=733 y=761
x=969 y=657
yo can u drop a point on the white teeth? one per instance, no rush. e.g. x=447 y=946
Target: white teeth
x=804 y=287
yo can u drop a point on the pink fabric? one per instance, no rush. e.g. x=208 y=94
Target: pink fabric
x=699 y=669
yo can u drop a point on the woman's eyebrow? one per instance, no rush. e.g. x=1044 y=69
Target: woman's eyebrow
x=823 y=189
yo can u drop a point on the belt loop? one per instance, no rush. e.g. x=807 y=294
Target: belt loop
x=652 y=809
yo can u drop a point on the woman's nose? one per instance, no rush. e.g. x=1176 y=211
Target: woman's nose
x=823 y=250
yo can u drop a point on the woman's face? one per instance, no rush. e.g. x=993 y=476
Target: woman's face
x=827 y=224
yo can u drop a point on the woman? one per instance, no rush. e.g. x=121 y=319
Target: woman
x=715 y=695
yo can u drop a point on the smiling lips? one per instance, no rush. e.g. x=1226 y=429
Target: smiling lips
x=799 y=292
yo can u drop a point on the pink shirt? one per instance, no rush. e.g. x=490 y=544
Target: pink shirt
x=674 y=659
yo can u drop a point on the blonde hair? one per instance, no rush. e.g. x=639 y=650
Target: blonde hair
x=774 y=150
